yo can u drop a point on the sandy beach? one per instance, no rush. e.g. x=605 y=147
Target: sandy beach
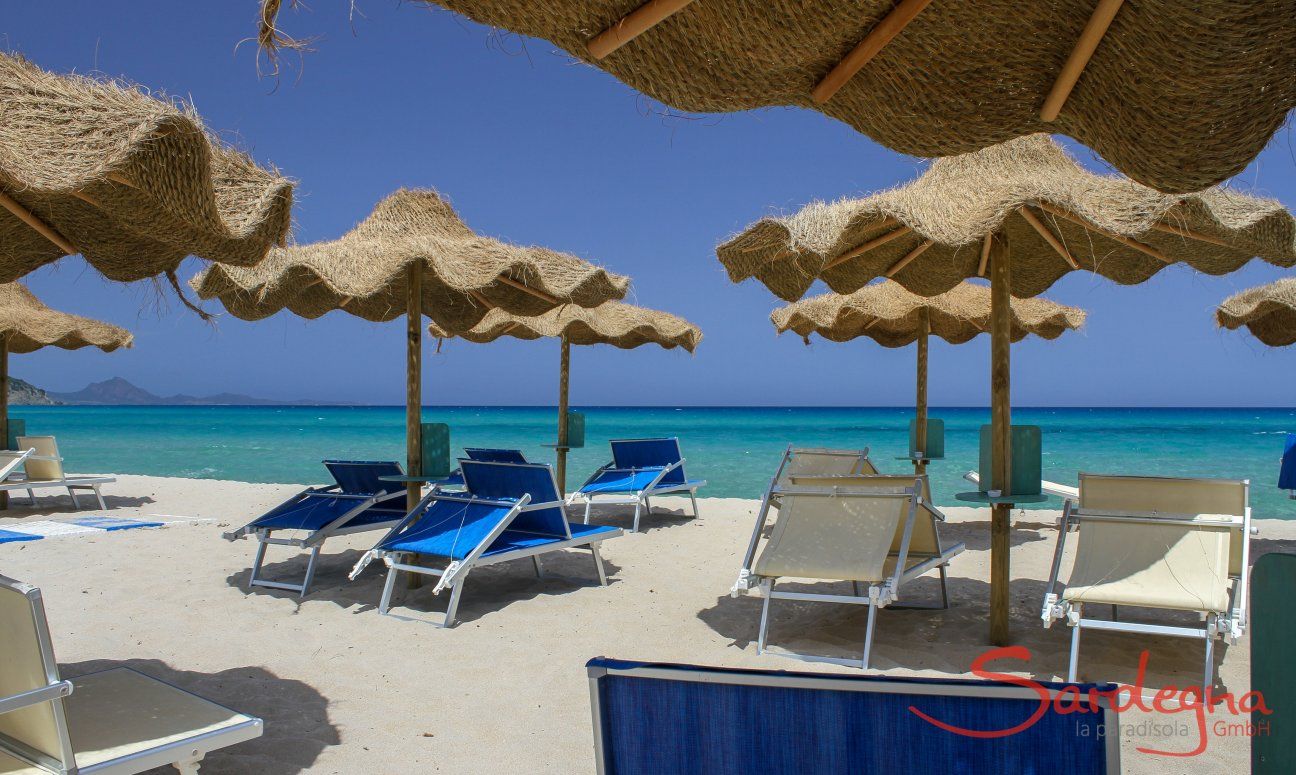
x=344 y=690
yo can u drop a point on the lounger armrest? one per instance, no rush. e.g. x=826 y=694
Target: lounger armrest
x=35 y=696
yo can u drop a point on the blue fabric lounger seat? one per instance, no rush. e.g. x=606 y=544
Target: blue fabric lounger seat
x=510 y=511
x=785 y=723
x=640 y=469
x=357 y=501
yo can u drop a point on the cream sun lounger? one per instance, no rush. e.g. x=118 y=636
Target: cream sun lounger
x=43 y=467
x=803 y=461
x=114 y=722
x=841 y=533
x=1157 y=543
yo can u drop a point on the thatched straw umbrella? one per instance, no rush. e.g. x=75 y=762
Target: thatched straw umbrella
x=1025 y=213
x=27 y=325
x=893 y=317
x=412 y=256
x=1268 y=311
x=620 y=325
x=132 y=182
x=1199 y=90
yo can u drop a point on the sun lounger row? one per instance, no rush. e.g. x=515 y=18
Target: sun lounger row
x=38 y=465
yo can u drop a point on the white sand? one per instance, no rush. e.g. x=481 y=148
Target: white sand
x=344 y=690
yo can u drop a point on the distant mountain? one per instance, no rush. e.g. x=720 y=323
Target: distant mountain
x=119 y=392
x=22 y=392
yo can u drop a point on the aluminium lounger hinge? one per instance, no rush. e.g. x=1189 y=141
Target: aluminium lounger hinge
x=362 y=563
x=1051 y=610
x=742 y=584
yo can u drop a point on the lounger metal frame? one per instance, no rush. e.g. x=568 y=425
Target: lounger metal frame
x=724 y=677
x=769 y=500
x=184 y=754
x=640 y=499
x=455 y=574
x=1215 y=626
x=314 y=542
x=878 y=595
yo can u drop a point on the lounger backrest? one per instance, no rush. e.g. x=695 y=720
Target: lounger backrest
x=649 y=453
x=785 y=722
x=843 y=536
x=361 y=477
x=42 y=470
x=27 y=663
x=511 y=481
x=924 y=539
x=1170 y=495
x=490 y=455
x=826 y=462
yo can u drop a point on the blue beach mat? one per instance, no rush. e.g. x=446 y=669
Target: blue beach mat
x=110 y=523
x=1287 y=473
x=8 y=536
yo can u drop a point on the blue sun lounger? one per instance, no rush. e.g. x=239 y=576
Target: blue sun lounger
x=641 y=469
x=358 y=501
x=784 y=723
x=511 y=511
x=486 y=455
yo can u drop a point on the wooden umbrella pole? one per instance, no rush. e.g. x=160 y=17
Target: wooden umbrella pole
x=1001 y=425
x=564 y=373
x=920 y=403
x=414 y=381
x=4 y=404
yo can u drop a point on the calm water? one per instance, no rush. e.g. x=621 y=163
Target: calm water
x=736 y=449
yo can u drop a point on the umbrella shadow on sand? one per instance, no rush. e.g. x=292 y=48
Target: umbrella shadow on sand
x=297 y=725
x=488 y=588
x=948 y=640
x=622 y=516
x=55 y=504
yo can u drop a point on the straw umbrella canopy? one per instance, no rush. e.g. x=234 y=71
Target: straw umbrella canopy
x=132 y=182
x=620 y=325
x=412 y=256
x=893 y=317
x=27 y=325
x=1025 y=213
x=1199 y=91
x=1268 y=312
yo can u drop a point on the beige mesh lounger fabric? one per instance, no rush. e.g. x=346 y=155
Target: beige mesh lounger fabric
x=845 y=532
x=799 y=461
x=113 y=722
x=43 y=467
x=1156 y=543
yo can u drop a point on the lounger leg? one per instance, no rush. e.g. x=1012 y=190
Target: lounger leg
x=647 y=505
x=944 y=587
x=1210 y=657
x=1075 y=652
x=589 y=504
x=31 y=496
x=764 y=622
x=535 y=560
x=453 y=608
x=1115 y=612
x=76 y=505
x=635 y=527
x=310 y=569
x=384 y=603
x=256 y=563
x=868 y=636
x=855 y=588
x=102 y=505
x=598 y=564
x=693 y=498
x=188 y=767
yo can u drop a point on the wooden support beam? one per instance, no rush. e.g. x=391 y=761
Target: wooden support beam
x=1048 y=236
x=117 y=177
x=4 y=405
x=634 y=24
x=1083 y=51
x=985 y=255
x=861 y=249
x=84 y=197
x=480 y=299
x=536 y=292
x=876 y=319
x=564 y=374
x=908 y=257
x=26 y=216
x=413 y=383
x=876 y=40
x=1000 y=435
x=1190 y=234
x=1142 y=247
x=920 y=397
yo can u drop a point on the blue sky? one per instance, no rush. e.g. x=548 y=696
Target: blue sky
x=534 y=148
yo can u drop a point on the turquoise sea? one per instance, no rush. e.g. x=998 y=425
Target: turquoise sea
x=735 y=449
